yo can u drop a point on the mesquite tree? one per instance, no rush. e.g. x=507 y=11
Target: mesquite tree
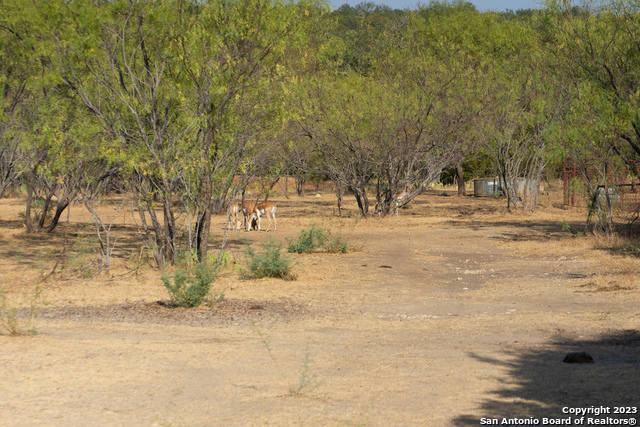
x=230 y=54
x=117 y=59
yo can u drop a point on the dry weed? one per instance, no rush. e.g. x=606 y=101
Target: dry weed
x=617 y=273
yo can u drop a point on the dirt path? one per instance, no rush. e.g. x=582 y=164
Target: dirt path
x=438 y=320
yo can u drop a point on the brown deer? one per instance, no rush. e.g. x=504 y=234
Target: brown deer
x=247 y=208
x=233 y=212
x=268 y=208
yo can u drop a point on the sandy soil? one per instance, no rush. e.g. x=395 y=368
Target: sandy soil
x=453 y=313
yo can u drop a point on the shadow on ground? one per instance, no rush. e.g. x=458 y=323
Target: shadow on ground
x=539 y=385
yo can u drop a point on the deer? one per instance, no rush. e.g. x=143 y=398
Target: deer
x=233 y=212
x=268 y=208
x=246 y=208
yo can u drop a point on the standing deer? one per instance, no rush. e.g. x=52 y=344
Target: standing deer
x=246 y=208
x=268 y=208
x=233 y=213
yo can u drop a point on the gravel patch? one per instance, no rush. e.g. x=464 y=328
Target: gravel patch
x=226 y=312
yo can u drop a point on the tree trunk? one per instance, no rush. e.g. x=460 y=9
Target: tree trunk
x=462 y=191
x=203 y=242
x=56 y=217
x=45 y=209
x=339 y=189
x=31 y=186
x=169 y=230
x=153 y=242
x=62 y=205
x=204 y=226
x=363 y=201
x=300 y=185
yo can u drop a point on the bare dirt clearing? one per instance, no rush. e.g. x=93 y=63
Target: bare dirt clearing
x=452 y=312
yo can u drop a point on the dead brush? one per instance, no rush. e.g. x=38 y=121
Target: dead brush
x=571 y=245
x=620 y=245
x=620 y=274
x=612 y=283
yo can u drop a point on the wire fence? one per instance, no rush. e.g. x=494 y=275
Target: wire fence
x=614 y=184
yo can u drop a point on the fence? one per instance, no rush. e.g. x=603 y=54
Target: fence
x=619 y=181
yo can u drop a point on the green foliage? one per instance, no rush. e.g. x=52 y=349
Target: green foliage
x=317 y=238
x=383 y=94
x=37 y=210
x=566 y=228
x=140 y=259
x=269 y=263
x=599 y=65
x=190 y=287
x=308 y=240
x=307 y=380
x=337 y=244
x=10 y=319
x=633 y=251
x=80 y=259
x=186 y=259
x=224 y=259
x=214 y=298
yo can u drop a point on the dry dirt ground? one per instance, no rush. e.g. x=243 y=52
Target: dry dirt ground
x=454 y=313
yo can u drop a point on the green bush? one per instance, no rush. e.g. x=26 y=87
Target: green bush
x=337 y=244
x=37 y=207
x=186 y=259
x=189 y=290
x=269 y=263
x=80 y=259
x=316 y=239
x=308 y=241
x=224 y=259
x=214 y=298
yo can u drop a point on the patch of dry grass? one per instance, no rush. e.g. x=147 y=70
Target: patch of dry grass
x=618 y=274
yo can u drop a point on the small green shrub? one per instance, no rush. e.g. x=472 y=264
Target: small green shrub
x=307 y=380
x=37 y=202
x=186 y=259
x=316 y=239
x=9 y=318
x=37 y=207
x=633 y=251
x=138 y=261
x=81 y=260
x=190 y=289
x=308 y=241
x=566 y=228
x=214 y=298
x=337 y=244
x=223 y=259
x=269 y=263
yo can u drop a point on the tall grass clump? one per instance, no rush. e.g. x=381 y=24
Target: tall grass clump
x=269 y=263
x=190 y=287
x=308 y=240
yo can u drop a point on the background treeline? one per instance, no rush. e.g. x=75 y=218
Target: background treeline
x=180 y=104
